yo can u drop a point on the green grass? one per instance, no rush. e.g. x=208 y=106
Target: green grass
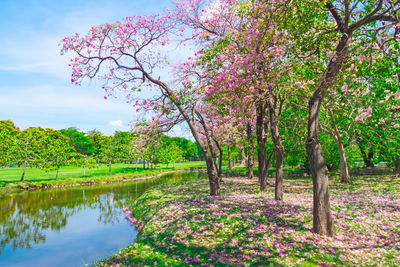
x=34 y=177
x=242 y=170
x=181 y=225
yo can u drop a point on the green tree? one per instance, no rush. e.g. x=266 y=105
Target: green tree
x=123 y=146
x=328 y=34
x=108 y=153
x=58 y=152
x=86 y=162
x=145 y=143
x=173 y=154
x=79 y=140
x=188 y=148
x=8 y=136
x=97 y=139
x=167 y=151
x=30 y=147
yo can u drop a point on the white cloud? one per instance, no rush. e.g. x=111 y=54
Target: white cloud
x=40 y=55
x=60 y=98
x=33 y=49
x=61 y=107
x=38 y=50
x=117 y=123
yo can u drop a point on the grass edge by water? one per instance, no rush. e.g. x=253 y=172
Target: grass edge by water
x=99 y=179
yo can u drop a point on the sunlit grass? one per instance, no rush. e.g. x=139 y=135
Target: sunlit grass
x=182 y=225
x=10 y=177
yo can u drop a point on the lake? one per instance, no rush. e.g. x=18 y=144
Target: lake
x=71 y=226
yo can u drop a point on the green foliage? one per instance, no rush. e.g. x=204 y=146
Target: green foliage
x=168 y=151
x=97 y=140
x=188 y=148
x=122 y=146
x=330 y=151
x=293 y=131
x=108 y=152
x=79 y=140
x=30 y=147
x=69 y=175
x=57 y=151
x=8 y=134
x=353 y=156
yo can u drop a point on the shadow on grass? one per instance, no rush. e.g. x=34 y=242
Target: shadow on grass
x=183 y=225
x=225 y=230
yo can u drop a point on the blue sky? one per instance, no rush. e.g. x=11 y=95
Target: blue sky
x=35 y=87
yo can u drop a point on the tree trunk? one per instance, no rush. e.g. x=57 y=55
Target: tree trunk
x=84 y=171
x=144 y=164
x=23 y=173
x=244 y=158
x=206 y=148
x=212 y=172
x=367 y=158
x=109 y=168
x=212 y=175
x=127 y=167
x=261 y=166
x=250 y=159
x=269 y=160
x=220 y=164
x=274 y=117
x=229 y=158
x=344 y=170
x=57 y=172
x=219 y=167
x=261 y=134
x=279 y=173
x=280 y=152
x=397 y=166
x=322 y=217
x=191 y=121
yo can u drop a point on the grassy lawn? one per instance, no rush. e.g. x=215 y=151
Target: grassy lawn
x=181 y=225
x=10 y=177
x=242 y=170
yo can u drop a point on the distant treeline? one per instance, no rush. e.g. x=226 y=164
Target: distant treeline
x=51 y=149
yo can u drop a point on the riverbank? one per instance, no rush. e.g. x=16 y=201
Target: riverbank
x=181 y=225
x=9 y=178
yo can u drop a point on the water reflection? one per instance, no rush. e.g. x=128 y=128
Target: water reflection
x=26 y=218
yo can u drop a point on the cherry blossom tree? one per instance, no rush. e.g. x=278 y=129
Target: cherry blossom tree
x=251 y=68
x=126 y=56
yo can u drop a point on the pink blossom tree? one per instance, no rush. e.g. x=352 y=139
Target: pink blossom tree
x=251 y=68
x=126 y=57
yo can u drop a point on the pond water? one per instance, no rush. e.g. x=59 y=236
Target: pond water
x=71 y=226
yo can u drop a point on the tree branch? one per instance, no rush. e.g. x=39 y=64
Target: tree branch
x=369 y=18
x=336 y=16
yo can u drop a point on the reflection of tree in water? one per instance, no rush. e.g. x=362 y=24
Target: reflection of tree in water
x=21 y=229
x=24 y=217
x=108 y=213
x=107 y=203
